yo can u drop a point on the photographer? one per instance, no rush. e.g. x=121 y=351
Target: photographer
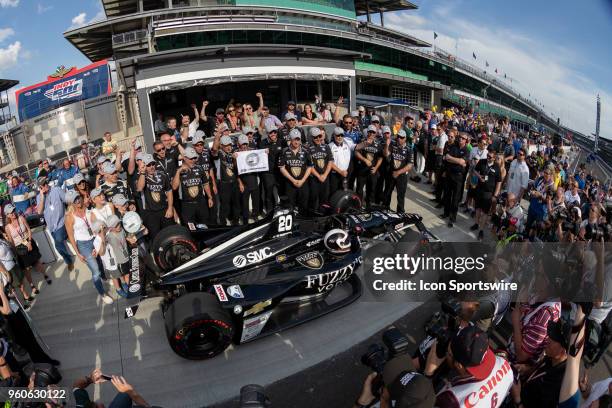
x=126 y=394
x=539 y=198
x=480 y=378
x=402 y=387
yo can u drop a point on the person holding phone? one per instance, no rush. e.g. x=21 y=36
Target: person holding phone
x=126 y=396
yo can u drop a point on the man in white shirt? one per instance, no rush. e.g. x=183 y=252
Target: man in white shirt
x=518 y=176
x=572 y=196
x=342 y=150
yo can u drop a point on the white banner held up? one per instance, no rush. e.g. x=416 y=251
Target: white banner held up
x=251 y=161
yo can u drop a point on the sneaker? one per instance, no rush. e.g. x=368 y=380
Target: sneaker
x=474 y=227
x=70 y=267
x=481 y=235
x=121 y=293
x=107 y=299
x=450 y=224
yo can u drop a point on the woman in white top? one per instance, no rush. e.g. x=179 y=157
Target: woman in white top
x=102 y=209
x=78 y=222
x=13 y=272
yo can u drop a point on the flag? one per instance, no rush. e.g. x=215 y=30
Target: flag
x=474 y=54
x=496 y=70
x=435 y=35
x=505 y=76
x=487 y=63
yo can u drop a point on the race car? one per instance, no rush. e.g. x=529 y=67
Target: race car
x=224 y=285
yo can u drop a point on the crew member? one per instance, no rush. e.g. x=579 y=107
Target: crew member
x=112 y=184
x=295 y=165
x=399 y=156
x=272 y=178
x=229 y=191
x=195 y=189
x=163 y=162
x=322 y=159
x=157 y=198
x=455 y=163
x=248 y=184
x=204 y=160
x=369 y=159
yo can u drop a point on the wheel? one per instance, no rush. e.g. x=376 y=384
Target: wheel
x=345 y=202
x=172 y=247
x=197 y=326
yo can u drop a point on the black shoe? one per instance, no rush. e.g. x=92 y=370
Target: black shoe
x=474 y=227
x=435 y=199
x=450 y=224
x=481 y=235
x=48 y=279
x=453 y=218
x=440 y=205
x=443 y=216
x=35 y=290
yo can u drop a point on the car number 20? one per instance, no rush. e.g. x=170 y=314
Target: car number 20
x=285 y=223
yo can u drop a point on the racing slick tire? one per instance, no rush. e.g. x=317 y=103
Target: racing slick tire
x=172 y=247
x=197 y=326
x=345 y=201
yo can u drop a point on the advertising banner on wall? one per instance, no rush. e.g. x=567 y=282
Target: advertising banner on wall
x=64 y=86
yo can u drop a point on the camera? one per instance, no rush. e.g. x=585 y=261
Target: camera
x=377 y=355
x=253 y=396
x=444 y=324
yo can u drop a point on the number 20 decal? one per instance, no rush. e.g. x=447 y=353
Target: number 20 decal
x=285 y=222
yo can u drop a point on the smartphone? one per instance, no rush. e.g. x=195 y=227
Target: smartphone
x=106 y=377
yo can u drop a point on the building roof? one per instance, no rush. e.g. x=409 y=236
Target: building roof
x=114 y=8
x=6 y=84
x=362 y=7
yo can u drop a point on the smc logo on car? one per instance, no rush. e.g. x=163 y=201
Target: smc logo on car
x=251 y=257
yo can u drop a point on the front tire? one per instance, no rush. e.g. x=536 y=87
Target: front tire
x=197 y=326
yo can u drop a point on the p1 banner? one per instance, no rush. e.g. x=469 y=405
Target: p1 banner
x=63 y=87
x=252 y=161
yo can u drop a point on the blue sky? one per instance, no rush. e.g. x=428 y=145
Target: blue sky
x=556 y=50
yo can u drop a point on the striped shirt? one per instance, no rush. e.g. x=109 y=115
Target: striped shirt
x=535 y=327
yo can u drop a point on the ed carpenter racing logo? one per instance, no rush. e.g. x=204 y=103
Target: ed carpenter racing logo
x=252 y=159
x=66 y=89
x=251 y=257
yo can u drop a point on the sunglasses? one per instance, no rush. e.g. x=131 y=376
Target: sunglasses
x=401 y=137
x=160 y=150
x=244 y=144
x=318 y=137
x=151 y=165
x=272 y=132
x=348 y=123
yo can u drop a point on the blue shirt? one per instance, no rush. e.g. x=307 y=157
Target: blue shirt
x=62 y=175
x=354 y=135
x=20 y=206
x=54 y=208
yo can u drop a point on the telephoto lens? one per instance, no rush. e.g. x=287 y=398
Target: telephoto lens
x=253 y=396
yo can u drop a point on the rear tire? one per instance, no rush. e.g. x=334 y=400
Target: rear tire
x=197 y=326
x=345 y=202
x=173 y=246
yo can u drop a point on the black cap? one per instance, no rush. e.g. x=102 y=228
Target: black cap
x=219 y=110
x=407 y=388
x=291 y=103
x=560 y=331
x=470 y=348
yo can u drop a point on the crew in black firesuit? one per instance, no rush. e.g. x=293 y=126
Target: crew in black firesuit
x=291 y=122
x=455 y=164
x=369 y=159
x=229 y=192
x=156 y=194
x=163 y=162
x=384 y=171
x=295 y=165
x=272 y=178
x=195 y=189
x=248 y=184
x=112 y=184
x=205 y=161
x=399 y=158
x=322 y=158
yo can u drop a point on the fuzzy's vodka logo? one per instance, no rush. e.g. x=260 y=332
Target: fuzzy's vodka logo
x=66 y=89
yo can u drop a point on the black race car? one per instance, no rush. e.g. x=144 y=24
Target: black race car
x=223 y=285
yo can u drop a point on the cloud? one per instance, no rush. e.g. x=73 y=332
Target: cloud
x=9 y=56
x=41 y=8
x=5 y=33
x=9 y=3
x=81 y=20
x=547 y=71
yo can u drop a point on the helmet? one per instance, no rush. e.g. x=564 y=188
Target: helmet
x=337 y=241
x=131 y=222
